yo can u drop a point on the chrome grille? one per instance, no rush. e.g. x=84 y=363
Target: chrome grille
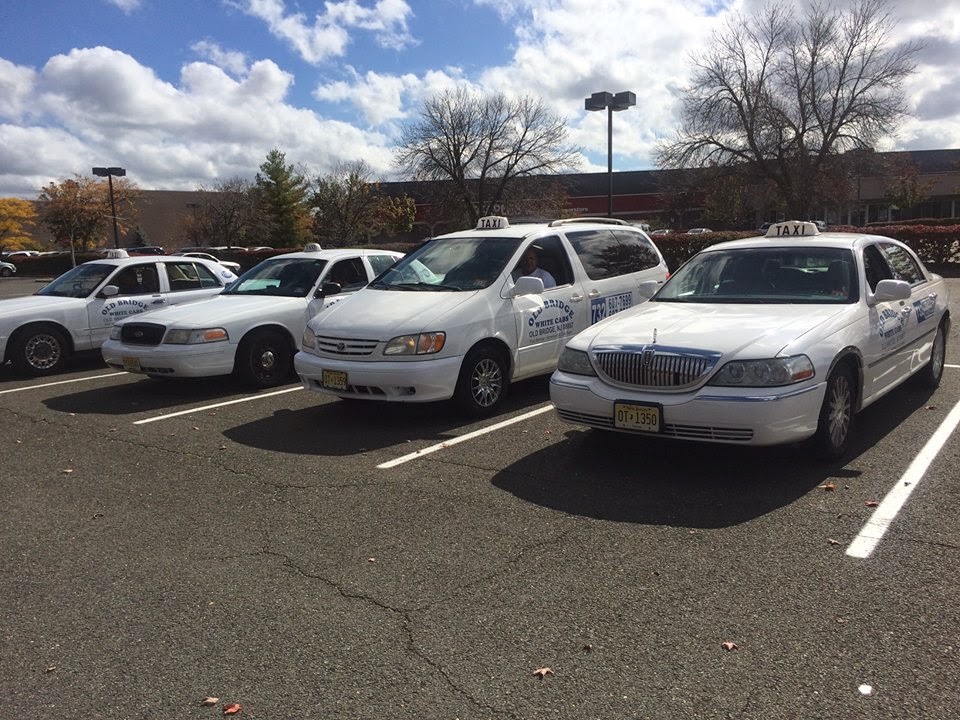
x=653 y=366
x=345 y=347
x=142 y=333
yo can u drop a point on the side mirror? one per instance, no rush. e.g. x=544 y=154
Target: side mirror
x=892 y=290
x=527 y=285
x=328 y=288
x=110 y=291
x=647 y=289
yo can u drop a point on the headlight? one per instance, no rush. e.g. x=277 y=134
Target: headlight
x=576 y=362
x=764 y=373
x=195 y=337
x=309 y=339
x=422 y=344
x=115 y=332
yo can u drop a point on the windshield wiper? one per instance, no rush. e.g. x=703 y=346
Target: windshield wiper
x=428 y=286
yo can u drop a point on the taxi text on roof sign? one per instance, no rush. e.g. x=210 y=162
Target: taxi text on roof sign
x=492 y=222
x=792 y=228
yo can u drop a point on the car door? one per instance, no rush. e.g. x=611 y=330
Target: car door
x=187 y=280
x=349 y=273
x=890 y=325
x=614 y=262
x=545 y=322
x=138 y=291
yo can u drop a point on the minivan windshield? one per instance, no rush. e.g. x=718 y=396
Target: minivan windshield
x=450 y=264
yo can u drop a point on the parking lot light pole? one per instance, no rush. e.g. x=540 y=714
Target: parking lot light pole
x=108 y=173
x=612 y=103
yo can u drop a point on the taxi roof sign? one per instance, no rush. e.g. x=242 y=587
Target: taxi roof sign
x=793 y=228
x=492 y=222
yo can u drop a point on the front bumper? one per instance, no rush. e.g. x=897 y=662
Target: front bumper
x=171 y=360
x=424 y=380
x=745 y=416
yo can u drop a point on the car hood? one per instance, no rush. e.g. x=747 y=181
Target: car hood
x=219 y=309
x=37 y=304
x=382 y=314
x=764 y=330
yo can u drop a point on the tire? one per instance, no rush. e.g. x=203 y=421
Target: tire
x=264 y=359
x=39 y=350
x=835 y=426
x=6 y=272
x=482 y=385
x=930 y=374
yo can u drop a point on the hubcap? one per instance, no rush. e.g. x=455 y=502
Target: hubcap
x=486 y=383
x=936 y=360
x=839 y=417
x=267 y=359
x=43 y=352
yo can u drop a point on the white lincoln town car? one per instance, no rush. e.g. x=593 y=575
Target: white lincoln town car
x=762 y=341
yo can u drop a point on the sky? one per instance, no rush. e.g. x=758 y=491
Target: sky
x=188 y=93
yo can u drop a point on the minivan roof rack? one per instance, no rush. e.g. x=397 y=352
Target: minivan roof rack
x=580 y=220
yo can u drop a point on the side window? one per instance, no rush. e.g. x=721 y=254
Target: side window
x=137 y=280
x=875 y=267
x=379 y=263
x=598 y=251
x=637 y=252
x=350 y=273
x=554 y=259
x=902 y=263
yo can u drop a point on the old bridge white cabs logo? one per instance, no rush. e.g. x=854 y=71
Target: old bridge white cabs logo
x=555 y=318
x=121 y=308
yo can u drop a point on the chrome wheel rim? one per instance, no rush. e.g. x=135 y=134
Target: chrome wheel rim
x=43 y=351
x=839 y=410
x=486 y=383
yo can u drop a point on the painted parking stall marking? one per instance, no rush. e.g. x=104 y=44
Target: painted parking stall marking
x=881 y=520
x=167 y=416
x=60 y=382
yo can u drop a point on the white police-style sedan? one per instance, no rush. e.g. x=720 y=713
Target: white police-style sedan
x=253 y=327
x=762 y=341
x=76 y=311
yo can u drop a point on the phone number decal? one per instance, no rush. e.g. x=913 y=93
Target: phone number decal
x=604 y=307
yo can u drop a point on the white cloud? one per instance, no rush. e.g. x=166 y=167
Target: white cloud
x=327 y=35
x=16 y=87
x=128 y=6
x=232 y=61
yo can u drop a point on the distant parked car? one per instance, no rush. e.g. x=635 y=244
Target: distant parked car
x=253 y=327
x=661 y=231
x=76 y=311
x=7 y=269
x=146 y=250
x=698 y=231
x=229 y=264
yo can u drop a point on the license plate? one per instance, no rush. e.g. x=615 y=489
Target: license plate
x=642 y=418
x=131 y=364
x=334 y=380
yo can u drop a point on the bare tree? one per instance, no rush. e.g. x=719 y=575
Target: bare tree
x=782 y=96
x=481 y=143
x=223 y=215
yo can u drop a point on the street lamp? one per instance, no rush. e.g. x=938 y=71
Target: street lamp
x=108 y=173
x=620 y=101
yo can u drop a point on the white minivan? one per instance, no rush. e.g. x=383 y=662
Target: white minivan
x=459 y=318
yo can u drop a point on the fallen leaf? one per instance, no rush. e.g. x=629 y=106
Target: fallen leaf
x=833 y=542
x=231 y=709
x=871 y=503
x=371 y=560
x=195 y=427
x=52 y=668
x=67 y=471
x=728 y=646
x=208 y=701
x=543 y=672
x=829 y=486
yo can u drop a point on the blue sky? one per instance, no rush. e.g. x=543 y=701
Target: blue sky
x=184 y=93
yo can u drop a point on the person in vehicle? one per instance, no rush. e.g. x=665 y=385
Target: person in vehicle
x=529 y=267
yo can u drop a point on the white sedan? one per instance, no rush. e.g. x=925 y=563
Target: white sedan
x=762 y=341
x=76 y=311
x=253 y=327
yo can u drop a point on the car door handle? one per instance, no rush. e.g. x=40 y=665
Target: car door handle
x=594 y=293
x=576 y=298
x=161 y=301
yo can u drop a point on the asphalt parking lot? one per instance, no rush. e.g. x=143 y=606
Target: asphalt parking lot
x=162 y=542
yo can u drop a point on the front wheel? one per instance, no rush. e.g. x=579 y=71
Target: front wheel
x=483 y=382
x=5 y=272
x=264 y=359
x=39 y=350
x=835 y=425
x=930 y=374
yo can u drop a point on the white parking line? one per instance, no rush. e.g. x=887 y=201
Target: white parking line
x=878 y=524
x=167 y=416
x=60 y=382
x=463 y=438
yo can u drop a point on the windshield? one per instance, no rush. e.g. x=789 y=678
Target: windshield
x=287 y=277
x=79 y=282
x=785 y=275
x=450 y=264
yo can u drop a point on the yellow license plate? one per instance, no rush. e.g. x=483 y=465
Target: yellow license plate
x=334 y=380
x=131 y=364
x=641 y=418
